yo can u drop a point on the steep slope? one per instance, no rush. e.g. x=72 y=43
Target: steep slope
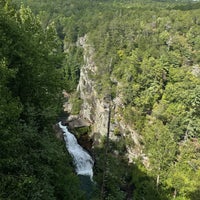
x=143 y=58
x=95 y=107
x=33 y=163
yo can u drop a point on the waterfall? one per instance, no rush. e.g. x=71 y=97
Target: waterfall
x=82 y=160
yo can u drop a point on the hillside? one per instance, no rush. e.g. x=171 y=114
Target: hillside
x=135 y=63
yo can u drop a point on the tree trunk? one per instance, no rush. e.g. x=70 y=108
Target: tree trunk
x=157 y=180
x=106 y=153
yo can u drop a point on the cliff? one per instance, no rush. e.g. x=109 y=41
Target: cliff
x=95 y=108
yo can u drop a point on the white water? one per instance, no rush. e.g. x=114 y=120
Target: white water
x=82 y=160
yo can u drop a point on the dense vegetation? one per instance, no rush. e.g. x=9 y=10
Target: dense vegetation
x=33 y=163
x=152 y=48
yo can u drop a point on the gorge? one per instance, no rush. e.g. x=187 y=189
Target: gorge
x=131 y=74
x=95 y=107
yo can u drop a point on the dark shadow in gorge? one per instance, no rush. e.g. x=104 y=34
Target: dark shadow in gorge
x=86 y=186
x=195 y=195
x=189 y=6
x=123 y=181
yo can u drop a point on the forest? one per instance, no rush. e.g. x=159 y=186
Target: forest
x=147 y=51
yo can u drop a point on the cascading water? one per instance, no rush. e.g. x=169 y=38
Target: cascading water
x=82 y=160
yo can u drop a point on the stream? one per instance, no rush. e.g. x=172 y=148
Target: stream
x=82 y=160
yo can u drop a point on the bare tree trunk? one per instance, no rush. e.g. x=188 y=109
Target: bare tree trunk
x=107 y=136
x=157 y=181
x=106 y=153
x=174 y=195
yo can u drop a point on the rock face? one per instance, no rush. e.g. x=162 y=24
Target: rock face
x=95 y=109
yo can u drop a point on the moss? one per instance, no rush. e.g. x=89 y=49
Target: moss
x=76 y=103
x=117 y=132
x=82 y=130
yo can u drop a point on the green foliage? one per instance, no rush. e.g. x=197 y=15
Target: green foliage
x=161 y=148
x=73 y=62
x=114 y=177
x=33 y=163
x=184 y=176
x=155 y=70
x=76 y=102
x=147 y=52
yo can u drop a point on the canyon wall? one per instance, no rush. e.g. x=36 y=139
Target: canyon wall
x=95 y=108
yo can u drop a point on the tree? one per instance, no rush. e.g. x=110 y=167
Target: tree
x=33 y=163
x=160 y=148
x=184 y=174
